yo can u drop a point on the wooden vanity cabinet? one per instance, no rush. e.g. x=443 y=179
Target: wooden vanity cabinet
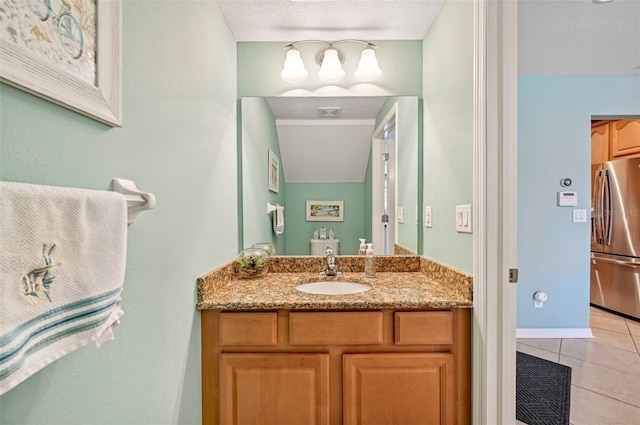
x=336 y=367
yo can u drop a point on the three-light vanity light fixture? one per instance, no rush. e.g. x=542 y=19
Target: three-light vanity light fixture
x=330 y=60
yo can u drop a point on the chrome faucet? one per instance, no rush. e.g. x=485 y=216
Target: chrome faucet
x=330 y=270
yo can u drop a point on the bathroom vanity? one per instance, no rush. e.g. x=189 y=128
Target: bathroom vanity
x=398 y=353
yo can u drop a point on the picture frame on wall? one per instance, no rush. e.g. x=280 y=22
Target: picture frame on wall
x=274 y=172
x=69 y=53
x=325 y=210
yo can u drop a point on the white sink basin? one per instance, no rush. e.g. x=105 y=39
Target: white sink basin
x=333 y=288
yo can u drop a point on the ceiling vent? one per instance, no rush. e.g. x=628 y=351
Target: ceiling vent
x=329 y=111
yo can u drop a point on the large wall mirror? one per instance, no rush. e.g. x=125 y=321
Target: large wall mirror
x=363 y=152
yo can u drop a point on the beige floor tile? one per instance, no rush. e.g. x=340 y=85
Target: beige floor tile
x=603 y=355
x=537 y=352
x=603 y=380
x=520 y=422
x=616 y=324
x=549 y=344
x=589 y=408
x=636 y=339
x=612 y=339
x=634 y=327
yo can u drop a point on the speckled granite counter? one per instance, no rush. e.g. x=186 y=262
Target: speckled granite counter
x=405 y=282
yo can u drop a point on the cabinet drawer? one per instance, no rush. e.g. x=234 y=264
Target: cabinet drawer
x=248 y=328
x=423 y=327
x=335 y=328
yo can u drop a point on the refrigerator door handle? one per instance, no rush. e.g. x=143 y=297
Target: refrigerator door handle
x=628 y=263
x=609 y=208
x=599 y=197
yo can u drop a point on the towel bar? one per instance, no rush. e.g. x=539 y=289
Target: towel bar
x=271 y=208
x=137 y=201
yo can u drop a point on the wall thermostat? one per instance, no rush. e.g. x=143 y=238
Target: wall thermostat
x=567 y=199
x=565 y=182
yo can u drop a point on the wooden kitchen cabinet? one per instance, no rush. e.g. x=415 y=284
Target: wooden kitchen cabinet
x=599 y=144
x=614 y=140
x=336 y=367
x=625 y=138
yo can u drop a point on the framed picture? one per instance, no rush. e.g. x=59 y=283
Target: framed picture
x=68 y=52
x=325 y=210
x=274 y=172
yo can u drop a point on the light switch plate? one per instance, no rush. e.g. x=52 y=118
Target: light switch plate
x=463 y=218
x=579 y=216
x=400 y=215
x=427 y=217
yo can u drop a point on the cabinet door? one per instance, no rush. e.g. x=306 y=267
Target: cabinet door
x=400 y=388
x=625 y=138
x=599 y=144
x=274 y=389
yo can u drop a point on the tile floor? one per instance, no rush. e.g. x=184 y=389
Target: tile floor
x=605 y=375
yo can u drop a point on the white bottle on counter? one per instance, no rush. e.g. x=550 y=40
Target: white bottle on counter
x=363 y=247
x=370 y=262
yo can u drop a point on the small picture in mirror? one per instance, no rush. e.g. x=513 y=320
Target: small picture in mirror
x=325 y=210
x=274 y=172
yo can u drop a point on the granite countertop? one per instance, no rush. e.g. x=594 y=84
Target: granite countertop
x=427 y=285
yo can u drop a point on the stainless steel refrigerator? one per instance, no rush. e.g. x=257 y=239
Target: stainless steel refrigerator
x=615 y=236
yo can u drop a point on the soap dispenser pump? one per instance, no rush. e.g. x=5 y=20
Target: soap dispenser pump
x=369 y=262
x=363 y=247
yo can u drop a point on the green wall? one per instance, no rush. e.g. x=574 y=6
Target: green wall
x=448 y=131
x=258 y=136
x=179 y=142
x=298 y=231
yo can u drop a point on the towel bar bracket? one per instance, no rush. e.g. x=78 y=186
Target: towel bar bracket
x=137 y=201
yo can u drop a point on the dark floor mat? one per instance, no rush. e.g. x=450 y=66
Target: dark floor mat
x=543 y=391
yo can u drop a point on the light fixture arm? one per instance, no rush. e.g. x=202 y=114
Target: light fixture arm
x=331 y=43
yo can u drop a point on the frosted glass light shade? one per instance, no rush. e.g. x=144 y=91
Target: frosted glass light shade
x=294 y=70
x=331 y=68
x=368 y=68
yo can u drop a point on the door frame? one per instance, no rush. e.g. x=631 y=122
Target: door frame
x=376 y=188
x=495 y=210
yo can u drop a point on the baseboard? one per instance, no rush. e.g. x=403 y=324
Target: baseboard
x=554 y=333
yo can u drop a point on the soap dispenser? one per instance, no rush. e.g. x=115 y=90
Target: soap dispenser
x=363 y=247
x=369 y=262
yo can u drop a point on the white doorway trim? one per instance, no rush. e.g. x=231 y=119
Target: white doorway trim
x=495 y=199
x=376 y=186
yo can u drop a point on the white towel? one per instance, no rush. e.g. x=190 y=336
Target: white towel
x=62 y=261
x=278 y=220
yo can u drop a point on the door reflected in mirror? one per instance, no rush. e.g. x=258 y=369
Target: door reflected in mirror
x=361 y=151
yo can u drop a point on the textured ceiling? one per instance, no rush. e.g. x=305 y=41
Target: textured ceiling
x=289 y=20
x=578 y=37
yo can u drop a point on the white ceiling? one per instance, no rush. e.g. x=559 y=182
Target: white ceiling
x=578 y=37
x=291 y=20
